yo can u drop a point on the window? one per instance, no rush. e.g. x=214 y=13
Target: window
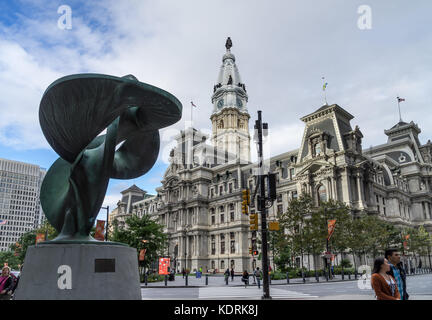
x=322 y=194
x=222 y=239
x=213 y=246
x=222 y=264
x=294 y=195
x=220 y=190
x=279 y=209
x=230 y=188
x=279 y=197
x=317 y=148
x=222 y=218
x=211 y=193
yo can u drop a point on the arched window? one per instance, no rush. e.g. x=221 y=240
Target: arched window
x=322 y=194
x=317 y=148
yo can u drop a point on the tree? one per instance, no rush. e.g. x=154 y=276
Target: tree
x=29 y=239
x=9 y=258
x=137 y=229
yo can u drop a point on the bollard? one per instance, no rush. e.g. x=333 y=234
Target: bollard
x=343 y=276
x=226 y=280
x=326 y=276
x=349 y=276
x=259 y=283
x=166 y=279
x=206 y=279
x=303 y=276
x=186 y=280
x=316 y=276
x=355 y=274
x=145 y=279
x=287 y=277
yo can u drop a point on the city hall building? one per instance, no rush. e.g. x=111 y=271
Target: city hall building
x=199 y=201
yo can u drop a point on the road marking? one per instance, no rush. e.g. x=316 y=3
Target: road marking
x=249 y=293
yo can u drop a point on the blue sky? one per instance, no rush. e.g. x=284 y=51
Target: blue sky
x=282 y=49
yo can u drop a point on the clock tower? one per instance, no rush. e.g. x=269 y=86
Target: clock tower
x=230 y=117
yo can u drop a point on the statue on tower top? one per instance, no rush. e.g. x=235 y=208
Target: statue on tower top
x=228 y=43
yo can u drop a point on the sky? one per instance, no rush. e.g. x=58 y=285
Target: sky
x=368 y=56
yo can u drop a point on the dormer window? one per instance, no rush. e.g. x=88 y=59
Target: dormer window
x=317 y=148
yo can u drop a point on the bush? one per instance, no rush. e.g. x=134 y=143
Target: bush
x=277 y=275
x=154 y=277
x=346 y=263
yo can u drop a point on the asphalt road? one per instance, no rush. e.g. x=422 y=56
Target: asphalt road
x=419 y=288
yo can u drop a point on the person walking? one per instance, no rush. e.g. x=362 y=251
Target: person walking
x=397 y=271
x=226 y=274
x=232 y=274
x=384 y=285
x=6 y=284
x=245 y=278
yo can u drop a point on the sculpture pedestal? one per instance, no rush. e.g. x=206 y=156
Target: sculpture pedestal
x=79 y=272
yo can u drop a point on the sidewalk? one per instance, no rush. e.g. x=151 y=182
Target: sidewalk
x=219 y=281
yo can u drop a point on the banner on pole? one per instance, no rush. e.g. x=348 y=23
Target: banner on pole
x=99 y=233
x=163 y=265
x=40 y=237
x=330 y=227
x=142 y=254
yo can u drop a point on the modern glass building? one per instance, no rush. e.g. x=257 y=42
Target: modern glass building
x=20 y=209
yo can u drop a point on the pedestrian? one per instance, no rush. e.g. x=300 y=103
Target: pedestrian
x=183 y=272
x=384 y=285
x=6 y=284
x=232 y=274
x=397 y=271
x=226 y=274
x=255 y=274
x=245 y=278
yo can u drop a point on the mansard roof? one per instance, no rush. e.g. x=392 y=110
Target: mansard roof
x=133 y=188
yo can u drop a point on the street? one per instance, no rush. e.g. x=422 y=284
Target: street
x=419 y=288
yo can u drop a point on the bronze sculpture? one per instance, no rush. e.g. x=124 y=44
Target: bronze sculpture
x=73 y=112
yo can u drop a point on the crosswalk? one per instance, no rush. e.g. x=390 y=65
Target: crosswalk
x=249 y=293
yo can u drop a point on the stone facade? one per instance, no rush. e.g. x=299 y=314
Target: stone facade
x=199 y=202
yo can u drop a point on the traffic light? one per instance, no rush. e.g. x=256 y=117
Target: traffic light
x=245 y=201
x=255 y=252
x=253 y=220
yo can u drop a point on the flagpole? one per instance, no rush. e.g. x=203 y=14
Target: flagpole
x=325 y=95
x=191 y=114
x=400 y=117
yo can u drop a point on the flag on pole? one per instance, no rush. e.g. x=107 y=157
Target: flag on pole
x=330 y=228
x=99 y=233
x=325 y=86
x=142 y=254
x=193 y=104
x=2 y=221
x=400 y=99
x=40 y=237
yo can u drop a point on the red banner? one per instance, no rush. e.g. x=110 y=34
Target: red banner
x=40 y=237
x=330 y=228
x=142 y=254
x=163 y=265
x=99 y=233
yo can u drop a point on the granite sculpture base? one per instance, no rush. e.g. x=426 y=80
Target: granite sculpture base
x=79 y=272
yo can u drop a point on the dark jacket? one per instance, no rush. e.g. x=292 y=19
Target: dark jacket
x=10 y=283
x=402 y=272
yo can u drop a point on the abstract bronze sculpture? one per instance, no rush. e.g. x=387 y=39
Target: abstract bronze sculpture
x=73 y=113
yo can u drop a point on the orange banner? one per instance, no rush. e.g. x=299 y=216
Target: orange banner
x=142 y=254
x=40 y=237
x=407 y=237
x=330 y=228
x=99 y=233
x=163 y=265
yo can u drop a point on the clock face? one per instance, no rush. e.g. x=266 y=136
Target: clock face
x=220 y=103
x=239 y=103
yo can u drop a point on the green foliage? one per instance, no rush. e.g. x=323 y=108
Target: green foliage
x=29 y=239
x=12 y=260
x=345 y=263
x=137 y=229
